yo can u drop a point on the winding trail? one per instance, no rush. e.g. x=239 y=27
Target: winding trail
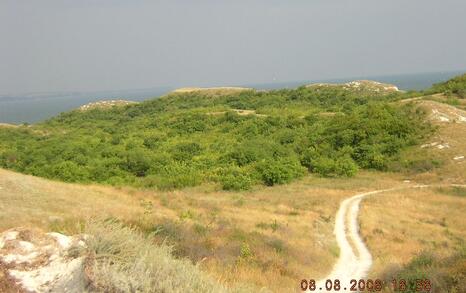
x=352 y=263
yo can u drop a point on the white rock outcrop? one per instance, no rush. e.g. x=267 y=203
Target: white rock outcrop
x=105 y=104
x=39 y=262
x=361 y=85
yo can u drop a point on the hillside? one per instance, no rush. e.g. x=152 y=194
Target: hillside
x=269 y=237
x=455 y=86
x=236 y=236
x=266 y=238
x=175 y=141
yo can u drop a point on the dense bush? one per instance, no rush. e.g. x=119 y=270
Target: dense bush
x=344 y=166
x=186 y=139
x=236 y=181
x=279 y=171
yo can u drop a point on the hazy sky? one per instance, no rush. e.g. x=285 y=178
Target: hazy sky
x=123 y=44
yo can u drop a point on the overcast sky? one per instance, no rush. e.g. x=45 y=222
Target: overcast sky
x=88 y=45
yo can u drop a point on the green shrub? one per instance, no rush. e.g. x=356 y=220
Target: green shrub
x=177 y=175
x=324 y=166
x=137 y=162
x=235 y=179
x=153 y=141
x=308 y=157
x=280 y=171
x=245 y=251
x=236 y=182
x=243 y=155
x=346 y=166
x=186 y=151
x=68 y=171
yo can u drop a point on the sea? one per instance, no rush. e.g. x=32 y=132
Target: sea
x=35 y=107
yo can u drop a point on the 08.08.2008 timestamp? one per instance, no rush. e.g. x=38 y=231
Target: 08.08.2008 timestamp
x=368 y=285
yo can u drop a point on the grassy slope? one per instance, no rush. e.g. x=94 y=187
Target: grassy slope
x=288 y=230
x=30 y=201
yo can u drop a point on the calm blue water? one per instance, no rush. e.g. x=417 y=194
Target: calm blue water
x=38 y=107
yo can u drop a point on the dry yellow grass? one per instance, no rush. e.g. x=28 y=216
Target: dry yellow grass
x=399 y=225
x=302 y=245
x=34 y=202
x=8 y=125
x=269 y=237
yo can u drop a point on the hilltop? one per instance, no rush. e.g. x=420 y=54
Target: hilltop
x=363 y=86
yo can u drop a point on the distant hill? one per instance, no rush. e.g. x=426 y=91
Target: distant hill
x=361 y=85
x=8 y=125
x=211 y=90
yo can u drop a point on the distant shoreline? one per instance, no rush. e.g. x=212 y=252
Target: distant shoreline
x=35 y=107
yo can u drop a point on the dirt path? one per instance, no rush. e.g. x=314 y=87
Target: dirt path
x=355 y=259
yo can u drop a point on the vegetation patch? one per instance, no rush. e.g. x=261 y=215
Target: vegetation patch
x=445 y=274
x=456 y=85
x=453 y=191
x=174 y=142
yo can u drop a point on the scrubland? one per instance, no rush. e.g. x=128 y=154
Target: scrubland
x=250 y=223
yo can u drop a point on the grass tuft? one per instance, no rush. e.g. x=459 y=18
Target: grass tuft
x=126 y=261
